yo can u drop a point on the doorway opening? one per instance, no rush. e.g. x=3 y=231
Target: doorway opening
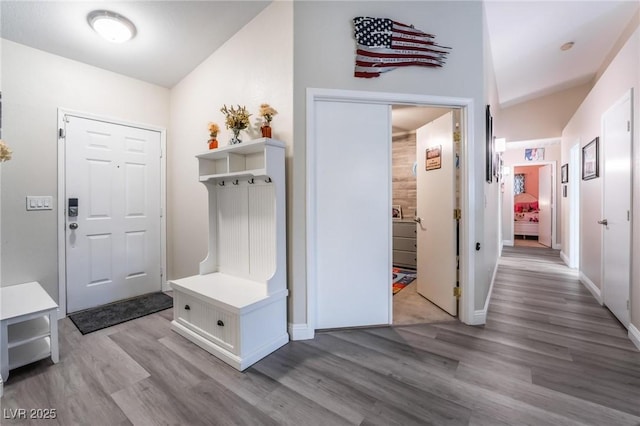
x=410 y=192
x=349 y=170
x=532 y=204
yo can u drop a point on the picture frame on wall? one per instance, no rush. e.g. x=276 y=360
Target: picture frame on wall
x=564 y=173
x=489 y=149
x=590 y=160
x=534 y=154
x=396 y=211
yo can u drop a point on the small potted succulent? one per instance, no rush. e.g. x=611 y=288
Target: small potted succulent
x=213 y=134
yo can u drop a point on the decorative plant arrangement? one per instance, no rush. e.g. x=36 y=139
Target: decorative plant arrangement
x=236 y=119
x=213 y=134
x=5 y=152
x=266 y=112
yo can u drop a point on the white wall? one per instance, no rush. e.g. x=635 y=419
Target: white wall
x=622 y=74
x=543 y=117
x=34 y=85
x=253 y=67
x=492 y=195
x=324 y=50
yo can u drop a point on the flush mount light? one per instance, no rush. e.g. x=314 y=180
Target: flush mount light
x=568 y=45
x=111 y=26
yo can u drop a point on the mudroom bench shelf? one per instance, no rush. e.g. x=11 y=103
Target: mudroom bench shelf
x=236 y=307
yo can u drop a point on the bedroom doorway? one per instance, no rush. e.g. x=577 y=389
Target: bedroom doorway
x=533 y=205
x=411 y=303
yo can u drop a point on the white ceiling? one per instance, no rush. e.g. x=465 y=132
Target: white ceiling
x=175 y=36
x=526 y=36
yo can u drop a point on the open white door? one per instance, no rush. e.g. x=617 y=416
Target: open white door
x=436 y=202
x=616 y=202
x=352 y=167
x=112 y=212
x=546 y=205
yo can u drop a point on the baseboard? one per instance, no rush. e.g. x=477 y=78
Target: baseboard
x=508 y=243
x=634 y=335
x=556 y=246
x=565 y=259
x=301 y=332
x=480 y=315
x=595 y=291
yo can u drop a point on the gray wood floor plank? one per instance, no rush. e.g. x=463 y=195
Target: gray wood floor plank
x=549 y=354
x=556 y=402
x=251 y=385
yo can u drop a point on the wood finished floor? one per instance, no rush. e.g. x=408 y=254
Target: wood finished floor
x=548 y=355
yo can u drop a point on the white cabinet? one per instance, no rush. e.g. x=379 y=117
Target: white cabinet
x=236 y=307
x=28 y=326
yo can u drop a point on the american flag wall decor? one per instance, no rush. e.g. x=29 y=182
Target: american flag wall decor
x=384 y=44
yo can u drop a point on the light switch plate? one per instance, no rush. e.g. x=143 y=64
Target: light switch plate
x=39 y=202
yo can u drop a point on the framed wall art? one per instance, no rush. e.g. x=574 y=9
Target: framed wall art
x=590 y=160
x=489 y=145
x=564 y=173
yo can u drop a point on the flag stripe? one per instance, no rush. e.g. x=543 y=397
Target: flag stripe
x=383 y=45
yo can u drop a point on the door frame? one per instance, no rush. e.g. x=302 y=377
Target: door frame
x=62 y=254
x=574 y=206
x=467 y=224
x=554 y=199
x=628 y=96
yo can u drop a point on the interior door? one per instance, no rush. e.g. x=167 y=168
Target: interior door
x=545 y=204
x=112 y=212
x=352 y=252
x=616 y=257
x=436 y=201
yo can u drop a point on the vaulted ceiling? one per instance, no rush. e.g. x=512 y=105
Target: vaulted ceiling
x=173 y=37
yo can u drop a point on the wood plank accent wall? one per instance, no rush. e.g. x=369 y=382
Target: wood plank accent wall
x=404 y=182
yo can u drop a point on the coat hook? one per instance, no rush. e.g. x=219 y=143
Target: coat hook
x=221 y=183
x=268 y=180
x=251 y=181
x=235 y=182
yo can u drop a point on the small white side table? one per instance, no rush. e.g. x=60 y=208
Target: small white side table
x=28 y=326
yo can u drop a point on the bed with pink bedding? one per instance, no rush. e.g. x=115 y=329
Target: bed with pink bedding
x=525 y=215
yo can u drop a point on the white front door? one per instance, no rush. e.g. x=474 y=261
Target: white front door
x=352 y=251
x=113 y=243
x=436 y=201
x=616 y=256
x=545 y=204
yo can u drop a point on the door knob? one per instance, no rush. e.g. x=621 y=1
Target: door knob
x=603 y=222
x=73 y=226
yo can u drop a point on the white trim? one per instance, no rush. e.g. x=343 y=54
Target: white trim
x=595 y=291
x=565 y=259
x=480 y=315
x=508 y=243
x=300 y=331
x=467 y=224
x=62 y=276
x=634 y=335
x=533 y=143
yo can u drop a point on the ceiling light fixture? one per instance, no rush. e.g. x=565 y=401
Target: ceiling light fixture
x=568 y=45
x=111 y=26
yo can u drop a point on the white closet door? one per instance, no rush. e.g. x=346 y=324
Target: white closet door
x=352 y=250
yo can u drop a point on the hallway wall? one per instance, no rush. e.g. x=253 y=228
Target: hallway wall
x=622 y=74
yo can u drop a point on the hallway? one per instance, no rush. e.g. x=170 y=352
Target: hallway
x=548 y=355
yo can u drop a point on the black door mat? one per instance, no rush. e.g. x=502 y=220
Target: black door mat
x=115 y=313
